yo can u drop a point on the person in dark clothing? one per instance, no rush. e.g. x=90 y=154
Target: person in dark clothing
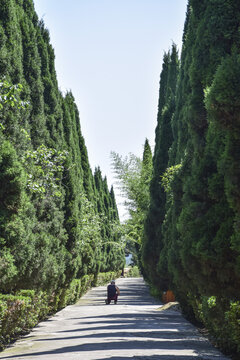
x=112 y=293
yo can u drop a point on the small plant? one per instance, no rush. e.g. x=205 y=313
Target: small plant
x=134 y=272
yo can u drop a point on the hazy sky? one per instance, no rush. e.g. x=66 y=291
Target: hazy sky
x=109 y=53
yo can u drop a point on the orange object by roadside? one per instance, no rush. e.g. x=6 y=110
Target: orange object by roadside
x=168 y=296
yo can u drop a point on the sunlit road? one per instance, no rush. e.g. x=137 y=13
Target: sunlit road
x=132 y=329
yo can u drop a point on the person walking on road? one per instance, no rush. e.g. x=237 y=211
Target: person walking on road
x=112 y=293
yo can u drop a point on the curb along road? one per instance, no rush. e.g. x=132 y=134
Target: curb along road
x=132 y=329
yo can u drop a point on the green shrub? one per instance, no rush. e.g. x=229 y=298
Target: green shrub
x=222 y=319
x=86 y=283
x=155 y=292
x=232 y=317
x=22 y=311
x=133 y=272
x=103 y=278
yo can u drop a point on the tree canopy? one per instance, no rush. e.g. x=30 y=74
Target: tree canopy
x=191 y=242
x=56 y=222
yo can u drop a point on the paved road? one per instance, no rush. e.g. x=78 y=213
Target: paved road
x=132 y=329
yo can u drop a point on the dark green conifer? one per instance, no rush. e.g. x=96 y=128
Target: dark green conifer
x=153 y=242
x=50 y=225
x=197 y=221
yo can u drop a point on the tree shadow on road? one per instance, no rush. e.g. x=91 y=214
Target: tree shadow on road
x=136 y=294
x=130 y=321
x=151 y=315
x=166 y=335
x=130 y=345
x=155 y=357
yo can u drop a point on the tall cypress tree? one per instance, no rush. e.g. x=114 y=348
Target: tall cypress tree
x=205 y=218
x=199 y=247
x=50 y=229
x=153 y=243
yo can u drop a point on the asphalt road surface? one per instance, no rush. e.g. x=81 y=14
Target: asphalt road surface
x=132 y=329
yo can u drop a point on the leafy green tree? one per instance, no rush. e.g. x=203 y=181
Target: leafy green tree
x=128 y=172
x=134 y=177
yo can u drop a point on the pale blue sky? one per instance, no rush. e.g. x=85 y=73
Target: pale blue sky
x=109 y=53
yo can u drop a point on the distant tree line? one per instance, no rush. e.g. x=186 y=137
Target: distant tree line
x=58 y=220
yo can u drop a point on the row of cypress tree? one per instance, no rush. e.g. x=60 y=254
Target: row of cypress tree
x=192 y=242
x=58 y=220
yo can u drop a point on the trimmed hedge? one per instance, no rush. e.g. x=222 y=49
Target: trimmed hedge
x=103 y=278
x=22 y=311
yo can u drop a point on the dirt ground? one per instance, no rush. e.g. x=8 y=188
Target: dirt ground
x=132 y=329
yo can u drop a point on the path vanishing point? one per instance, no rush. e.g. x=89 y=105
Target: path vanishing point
x=132 y=329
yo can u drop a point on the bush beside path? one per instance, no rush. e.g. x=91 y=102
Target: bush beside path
x=132 y=329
